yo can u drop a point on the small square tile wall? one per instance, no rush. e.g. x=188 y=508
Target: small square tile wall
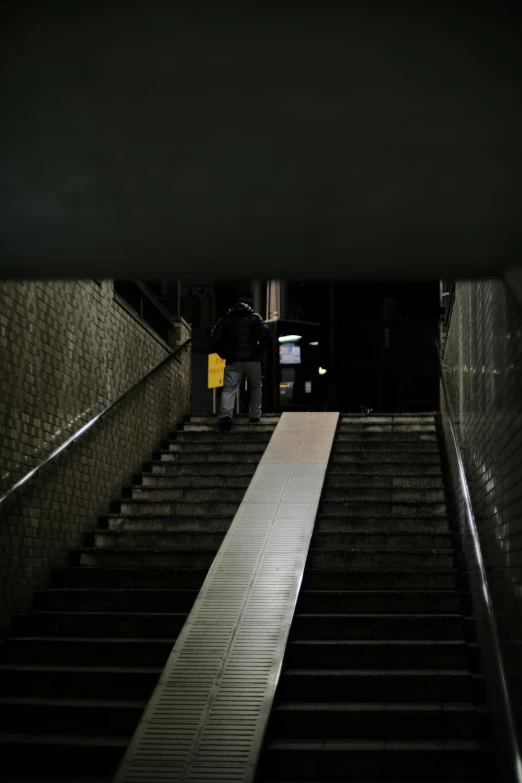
x=483 y=361
x=67 y=350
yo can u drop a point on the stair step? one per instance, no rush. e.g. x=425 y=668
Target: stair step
x=382 y=495
x=380 y=685
x=377 y=459
x=356 y=481
x=238 y=434
x=220 y=447
x=382 y=509
x=108 y=682
x=344 y=465
x=146 y=578
x=198 y=494
x=213 y=457
x=335 y=523
x=381 y=602
x=70 y=716
x=426 y=448
x=59 y=754
x=383 y=558
x=389 y=432
x=195 y=482
x=100 y=624
x=377 y=720
x=388 y=424
x=415 y=416
x=360 y=539
x=379 y=579
x=88 y=651
x=374 y=759
x=14 y=778
x=228 y=467
x=239 y=418
x=346 y=433
x=366 y=653
x=238 y=427
x=115 y=600
x=142 y=558
x=148 y=523
x=170 y=540
x=377 y=626
x=181 y=507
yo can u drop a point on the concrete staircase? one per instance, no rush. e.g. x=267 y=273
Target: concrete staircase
x=79 y=668
x=381 y=676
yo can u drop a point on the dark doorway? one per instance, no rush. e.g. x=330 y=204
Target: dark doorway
x=381 y=353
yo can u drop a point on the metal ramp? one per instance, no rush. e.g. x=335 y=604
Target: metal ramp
x=207 y=716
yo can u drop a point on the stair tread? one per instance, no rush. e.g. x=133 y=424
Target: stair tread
x=178 y=518
x=375 y=706
x=385 y=502
x=129 y=569
x=54 y=701
x=65 y=739
x=164 y=487
x=388 y=531
x=377 y=672
x=58 y=779
x=186 y=502
x=382 y=570
x=327 y=592
x=125 y=570
x=395 y=616
x=170 y=533
x=151 y=550
x=91 y=590
x=391 y=519
x=216 y=464
x=375 y=642
x=373 y=745
x=185 y=447
x=38 y=667
x=201 y=532
x=83 y=613
x=436 y=570
x=95 y=639
x=350 y=473
x=366 y=550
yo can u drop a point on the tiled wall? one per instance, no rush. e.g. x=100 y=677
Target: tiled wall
x=483 y=369
x=66 y=351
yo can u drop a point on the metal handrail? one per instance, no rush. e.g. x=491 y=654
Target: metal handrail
x=99 y=416
x=506 y=698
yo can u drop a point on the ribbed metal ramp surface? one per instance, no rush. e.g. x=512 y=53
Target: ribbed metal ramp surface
x=208 y=713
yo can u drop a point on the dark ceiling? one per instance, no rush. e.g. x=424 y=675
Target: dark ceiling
x=372 y=143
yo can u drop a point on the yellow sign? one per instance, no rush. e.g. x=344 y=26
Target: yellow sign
x=216 y=371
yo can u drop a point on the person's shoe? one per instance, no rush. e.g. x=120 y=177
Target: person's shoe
x=254 y=421
x=225 y=424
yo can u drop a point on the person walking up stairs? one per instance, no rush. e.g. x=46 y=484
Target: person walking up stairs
x=240 y=338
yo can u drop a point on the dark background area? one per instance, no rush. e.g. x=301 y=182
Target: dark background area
x=363 y=140
x=383 y=343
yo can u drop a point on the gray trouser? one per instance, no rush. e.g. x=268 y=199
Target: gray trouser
x=234 y=374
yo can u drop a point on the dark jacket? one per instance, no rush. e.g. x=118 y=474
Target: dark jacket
x=241 y=335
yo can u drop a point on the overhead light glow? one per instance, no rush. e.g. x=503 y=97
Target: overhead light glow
x=322 y=371
x=316 y=343
x=289 y=338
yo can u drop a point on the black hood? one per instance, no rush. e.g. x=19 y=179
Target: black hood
x=240 y=309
